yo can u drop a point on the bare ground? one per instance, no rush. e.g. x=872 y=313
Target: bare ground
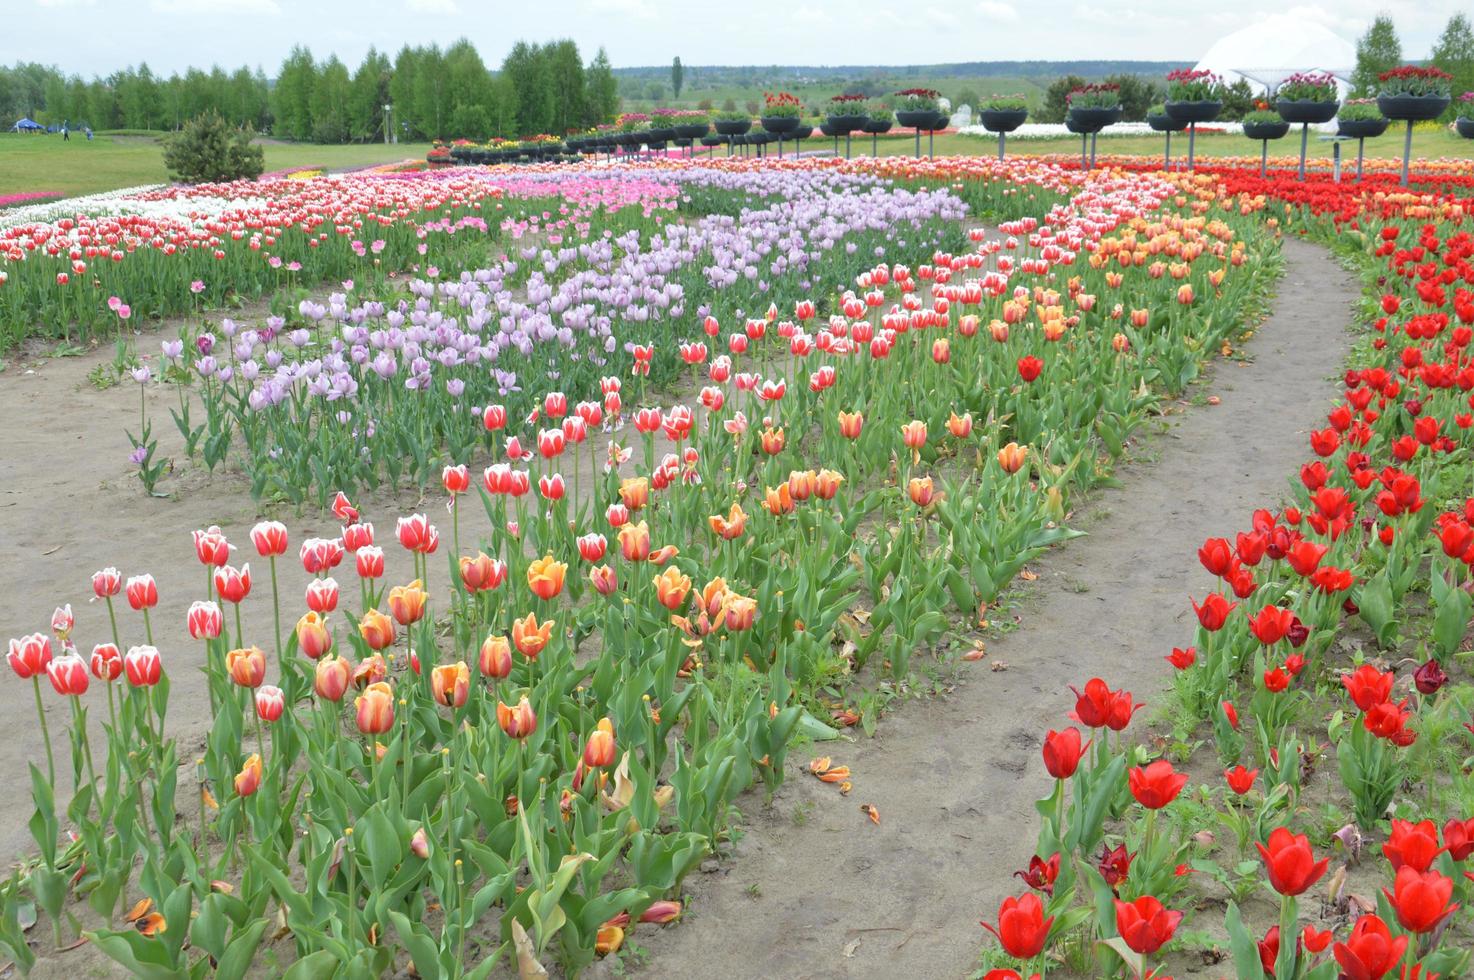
x=815 y=891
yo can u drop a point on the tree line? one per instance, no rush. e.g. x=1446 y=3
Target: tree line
x=1380 y=49
x=435 y=93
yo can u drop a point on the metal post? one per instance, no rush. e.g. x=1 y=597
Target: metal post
x=1264 y=160
x=847 y=144
x=1361 y=146
x=1167 y=152
x=1336 y=161
x=1002 y=140
x=874 y=144
x=931 y=145
x=1083 y=138
x=1092 y=148
x=1407 y=151
x=1304 y=138
x=918 y=142
x=1192 y=136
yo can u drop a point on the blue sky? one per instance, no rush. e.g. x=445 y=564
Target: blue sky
x=98 y=36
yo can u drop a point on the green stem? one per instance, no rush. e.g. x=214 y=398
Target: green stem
x=45 y=733
x=276 y=615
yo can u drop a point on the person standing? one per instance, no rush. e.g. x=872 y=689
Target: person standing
x=65 y=136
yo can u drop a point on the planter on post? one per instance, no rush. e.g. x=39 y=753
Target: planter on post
x=779 y=126
x=1361 y=130
x=1192 y=113
x=844 y=125
x=875 y=127
x=1088 y=121
x=1306 y=112
x=938 y=122
x=915 y=119
x=1410 y=109
x=1163 y=123
x=1266 y=131
x=691 y=132
x=731 y=128
x=829 y=130
x=1002 y=122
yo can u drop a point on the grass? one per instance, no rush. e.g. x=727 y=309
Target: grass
x=45 y=163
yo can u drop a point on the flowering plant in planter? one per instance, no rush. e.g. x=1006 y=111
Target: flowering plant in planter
x=1313 y=86
x=1415 y=81
x=1262 y=117
x=1003 y=103
x=730 y=115
x=1193 y=85
x=629 y=122
x=918 y=100
x=1358 y=110
x=1466 y=103
x=846 y=105
x=690 y=117
x=781 y=104
x=1100 y=95
x=879 y=112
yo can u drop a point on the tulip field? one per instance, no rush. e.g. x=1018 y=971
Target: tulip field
x=590 y=503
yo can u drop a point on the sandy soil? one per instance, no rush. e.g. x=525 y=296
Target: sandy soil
x=814 y=890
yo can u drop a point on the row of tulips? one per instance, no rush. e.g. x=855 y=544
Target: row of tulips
x=526 y=760
x=1337 y=630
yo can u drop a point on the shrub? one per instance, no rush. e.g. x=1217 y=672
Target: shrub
x=209 y=150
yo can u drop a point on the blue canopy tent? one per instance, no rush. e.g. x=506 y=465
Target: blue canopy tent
x=27 y=126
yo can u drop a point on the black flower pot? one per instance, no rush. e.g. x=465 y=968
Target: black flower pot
x=1306 y=111
x=732 y=127
x=663 y=134
x=829 y=130
x=1465 y=127
x=877 y=126
x=779 y=125
x=693 y=131
x=1267 y=130
x=1088 y=119
x=847 y=123
x=712 y=140
x=1002 y=120
x=1192 y=111
x=1164 y=123
x=1361 y=129
x=1412 y=108
x=914 y=118
x=939 y=121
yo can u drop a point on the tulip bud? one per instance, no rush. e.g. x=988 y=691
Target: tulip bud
x=600 y=749
x=450 y=684
x=68 y=674
x=106 y=662
x=419 y=844
x=376 y=629
x=603 y=579
x=331 y=678
x=369 y=562
x=270 y=702
x=142 y=666
x=142 y=592
x=375 y=709
x=407 y=603
x=248 y=780
x=518 y=722
x=231 y=584
x=496 y=658
x=270 y=538
x=246 y=666
x=107 y=582
x=322 y=595
x=204 y=620
x=313 y=637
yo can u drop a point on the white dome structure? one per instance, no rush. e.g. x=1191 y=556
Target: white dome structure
x=1266 y=53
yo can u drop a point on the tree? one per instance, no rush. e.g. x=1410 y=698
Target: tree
x=402 y=88
x=429 y=98
x=470 y=92
x=527 y=72
x=677 y=77
x=208 y=149
x=329 y=102
x=1454 y=53
x=601 y=89
x=1137 y=95
x=1238 y=100
x=566 y=85
x=966 y=96
x=292 y=97
x=1377 y=50
x=367 y=96
x=1056 y=98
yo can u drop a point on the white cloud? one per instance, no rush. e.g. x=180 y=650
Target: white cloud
x=66 y=3
x=624 y=8
x=999 y=10
x=434 y=7
x=215 y=7
x=809 y=15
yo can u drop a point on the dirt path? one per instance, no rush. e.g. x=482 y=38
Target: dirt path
x=815 y=891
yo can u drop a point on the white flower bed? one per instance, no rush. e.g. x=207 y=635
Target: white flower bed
x=110 y=202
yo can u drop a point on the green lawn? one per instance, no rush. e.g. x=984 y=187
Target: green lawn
x=45 y=163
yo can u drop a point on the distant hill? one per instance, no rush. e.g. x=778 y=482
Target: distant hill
x=729 y=74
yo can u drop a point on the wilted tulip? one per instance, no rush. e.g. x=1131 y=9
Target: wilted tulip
x=661 y=912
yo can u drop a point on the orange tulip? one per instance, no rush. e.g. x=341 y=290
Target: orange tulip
x=913 y=434
x=1011 y=457
x=826 y=484
x=941 y=351
x=634 y=541
x=529 y=637
x=801 y=484
x=635 y=492
x=407 y=602
x=603 y=579
x=738 y=612
x=600 y=748
x=1139 y=318
x=376 y=629
x=850 y=424
x=999 y=330
x=713 y=596
x=773 y=440
x=920 y=490
x=1185 y=294
x=608 y=940
x=545 y=577
x=375 y=709
x=518 y=722
x=663 y=554
x=671 y=588
x=248 y=780
x=496 y=657
x=246 y=667
x=729 y=528
x=960 y=427
x=778 y=500
x=331 y=678
x=370 y=669
x=313 y=638
x=482 y=572
x=451 y=683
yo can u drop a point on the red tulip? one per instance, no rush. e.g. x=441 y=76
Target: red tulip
x=1062 y=751
x=1144 y=924
x=1156 y=785
x=1216 y=556
x=210 y=547
x=1114 y=865
x=233 y=585
x=270 y=538
x=68 y=674
x=142 y=666
x=29 y=655
x=1213 y=613
x=1182 y=658
x=322 y=595
x=1022 y=928
x=1370 y=952
x=1421 y=898
x=1239 y=779
x=418 y=535
x=204 y=620
x=1029 y=367
x=455 y=479
x=1271 y=624
x=106 y=662
x=1290 y=863
x=369 y=562
x=142 y=592
x=1367 y=686
x=107 y=582
x=1100 y=707
x=1458 y=838
x=1412 y=845
x=1041 y=874
x=270 y=702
